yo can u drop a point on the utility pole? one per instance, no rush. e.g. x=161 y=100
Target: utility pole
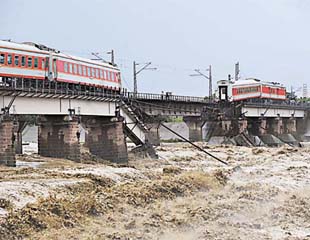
x=112 y=56
x=210 y=82
x=135 y=87
x=237 y=71
x=136 y=72
x=209 y=77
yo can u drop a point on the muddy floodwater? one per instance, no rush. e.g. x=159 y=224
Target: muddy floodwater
x=263 y=193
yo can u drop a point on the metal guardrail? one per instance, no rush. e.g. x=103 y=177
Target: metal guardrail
x=164 y=97
x=280 y=104
x=24 y=91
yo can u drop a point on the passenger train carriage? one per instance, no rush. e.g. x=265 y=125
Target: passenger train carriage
x=37 y=62
x=243 y=90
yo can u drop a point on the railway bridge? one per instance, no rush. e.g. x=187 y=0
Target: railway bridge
x=251 y=123
x=109 y=118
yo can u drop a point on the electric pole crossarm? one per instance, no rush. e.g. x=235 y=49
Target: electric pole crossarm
x=143 y=68
x=135 y=73
x=200 y=74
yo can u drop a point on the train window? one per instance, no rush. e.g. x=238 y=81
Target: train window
x=43 y=64
x=84 y=70
x=16 y=60
x=70 y=68
x=97 y=73
x=80 y=70
x=29 y=62
x=36 y=62
x=88 y=72
x=23 y=61
x=9 y=59
x=101 y=74
x=66 y=67
x=2 y=56
x=93 y=72
x=75 y=68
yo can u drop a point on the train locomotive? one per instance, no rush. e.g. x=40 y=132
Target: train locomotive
x=251 y=90
x=38 y=65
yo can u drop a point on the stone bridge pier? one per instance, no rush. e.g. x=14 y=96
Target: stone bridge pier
x=303 y=128
x=106 y=138
x=290 y=125
x=153 y=135
x=7 y=138
x=275 y=125
x=262 y=126
x=59 y=137
x=195 y=125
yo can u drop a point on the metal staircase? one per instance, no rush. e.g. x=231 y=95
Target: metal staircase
x=136 y=130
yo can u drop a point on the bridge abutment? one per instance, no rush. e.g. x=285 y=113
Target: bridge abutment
x=7 y=151
x=59 y=138
x=195 y=125
x=106 y=139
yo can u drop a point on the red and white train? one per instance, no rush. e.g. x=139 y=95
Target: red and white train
x=243 y=90
x=37 y=62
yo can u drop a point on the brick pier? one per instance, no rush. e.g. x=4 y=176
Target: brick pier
x=106 y=139
x=59 y=138
x=7 y=151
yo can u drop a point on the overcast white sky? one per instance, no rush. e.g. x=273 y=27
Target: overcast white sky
x=270 y=38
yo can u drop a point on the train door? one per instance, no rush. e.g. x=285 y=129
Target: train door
x=223 y=93
x=46 y=68
x=52 y=68
x=224 y=90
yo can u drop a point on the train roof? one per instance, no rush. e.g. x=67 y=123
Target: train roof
x=40 y=48
x=254 y=81
x=21 y=46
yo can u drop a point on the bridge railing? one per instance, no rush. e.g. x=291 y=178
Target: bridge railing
x=164 y=97
x=20 y=87
x=264 y=102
